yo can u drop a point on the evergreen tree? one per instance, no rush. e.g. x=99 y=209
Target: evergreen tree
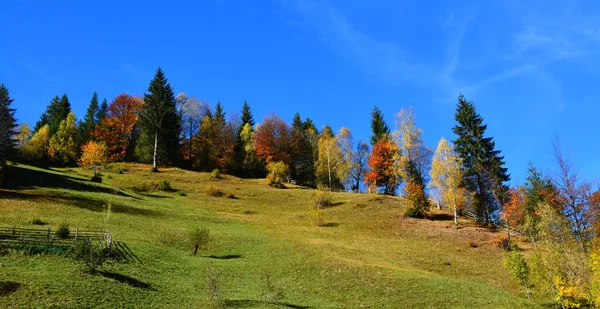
x=57 y=111
x=246 y=116
x=89 y=120
x=305 y=143
x=102 y=111
x=219 y=113
x=378 y=126
x=484 y=173
x=160 y=122
x=7 y=125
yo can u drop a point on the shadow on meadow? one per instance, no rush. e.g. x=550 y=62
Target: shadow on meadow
x=19 y=178
x=8 y=287
x=124 y=279
x=248 y=303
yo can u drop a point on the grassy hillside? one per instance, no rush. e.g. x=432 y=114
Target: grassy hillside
x=365 y=256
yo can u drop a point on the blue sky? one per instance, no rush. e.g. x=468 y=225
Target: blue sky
x=530 y=67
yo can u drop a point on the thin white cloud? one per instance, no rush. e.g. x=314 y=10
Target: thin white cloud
x=41 y=72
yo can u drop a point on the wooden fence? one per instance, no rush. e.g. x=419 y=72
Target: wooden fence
x=50 y=237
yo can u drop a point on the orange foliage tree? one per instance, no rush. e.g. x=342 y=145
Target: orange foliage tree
x=514 y=212
x=116 y=128
x=273 y=141
x=93 y=155
x=382 y=167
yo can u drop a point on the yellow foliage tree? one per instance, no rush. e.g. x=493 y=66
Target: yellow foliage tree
x=36 y=149
x=93 y=155
x=64 y=144
x=446 y=175
x=329 y=161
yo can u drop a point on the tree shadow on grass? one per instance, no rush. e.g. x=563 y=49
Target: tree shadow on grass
x=8 y=287
x=330 y=224
x=246 y=303
x=124 y=279
x=155 y=195
x=225 y=257
x=440 y=217
x=77 y=201
x=22 y=177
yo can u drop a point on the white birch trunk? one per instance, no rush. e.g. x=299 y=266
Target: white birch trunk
x=155 y=149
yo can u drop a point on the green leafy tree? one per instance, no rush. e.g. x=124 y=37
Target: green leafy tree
x=378 y=126
x=160 y=122
x=519 y=270
x=484 y=174
x=36 y=150
x=57 y=111
x=64 y=145
x=8 y=123
x=89 y=120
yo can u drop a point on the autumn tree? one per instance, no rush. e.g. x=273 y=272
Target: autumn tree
x=383 y=172
x=36 y=151
x=57 y=111
x=93 y=155
x=329 y=161
x=251 y=165
x=192 y=111
x=278 y=173
x=344 y=172
x=247 y=125
x=273 y=141
x=379 y=128
x=8 y=124
x=359 y=166
x=22 y=137
x=514 y=211
x=160 y=122
x=89 y=122
x=215 y=145
x=446 y=177
x=484 y=174
x=573 y=194
x=64 y=145
x=117 y=129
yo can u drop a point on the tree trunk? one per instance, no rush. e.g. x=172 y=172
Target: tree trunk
x=455 y=215
x=190 y=154
x=195 y=249
x=508 y=231
x=329 y=170
x=527 y=291
x=155 y=149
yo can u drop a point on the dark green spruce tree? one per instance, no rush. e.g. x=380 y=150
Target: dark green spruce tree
x=483 y=166
x=89 y=120
x=160 y=123
x=379 y=128
x=102 y=111
x=305 y=137
x=219 y=113
x=57 y=111
x=8 y=123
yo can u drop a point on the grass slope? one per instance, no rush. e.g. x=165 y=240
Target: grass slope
x=366 y=256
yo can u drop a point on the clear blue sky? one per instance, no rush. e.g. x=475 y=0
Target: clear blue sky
x=530 y=67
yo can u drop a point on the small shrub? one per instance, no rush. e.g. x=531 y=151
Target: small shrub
x=278 y=173
x=315 y=216
x=212 y=191
x=518 y=269
x=108 y=167
x=200 y=239
x=323 y=200
x=119 y=170
x=164 y=185
x=270 y=291
x=473 y=245
x=413 y=213
x=213 y=283
x=181 y=193
x=154 y=169
x=249 y=212
x=230 y=195
x=63 y=231
x=36 y=221
x=216 y=173
x=145 y=187
x=92 y=255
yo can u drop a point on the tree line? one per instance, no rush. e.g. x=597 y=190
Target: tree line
x=558 y=213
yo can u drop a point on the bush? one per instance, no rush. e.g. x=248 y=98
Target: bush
x=269 y=291
x=323 y=200
x=213 y=283
x=216 y=173
x=145 y=187
x=181 y=193
x=413 y=213
x=63 y=231
x=277 y=174
x=417 y=199
x=119 y=170
x=92 y=255
x=212 y=191
x=230 y=195
x=200 y=239
x=315 y=216
x=36 y=221
x=518 y=269
x=164 y=185
x=154 y=169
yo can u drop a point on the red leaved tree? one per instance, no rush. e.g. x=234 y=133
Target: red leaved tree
x=116 y=128
x=382 y=168
x=273 y=141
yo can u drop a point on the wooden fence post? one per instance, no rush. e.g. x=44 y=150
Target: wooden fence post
x=48 y=235
x=76 y=233
x=14 y=230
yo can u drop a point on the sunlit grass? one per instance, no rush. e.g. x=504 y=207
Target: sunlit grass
x=365 y=255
